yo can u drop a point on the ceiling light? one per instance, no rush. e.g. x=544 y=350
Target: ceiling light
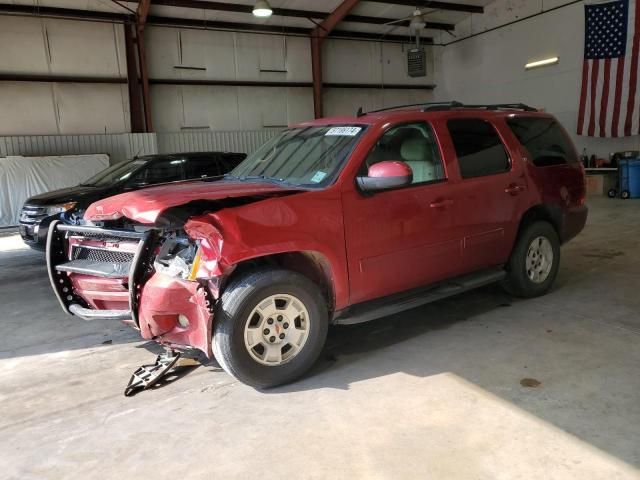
x=262 y=9
x=542 y=63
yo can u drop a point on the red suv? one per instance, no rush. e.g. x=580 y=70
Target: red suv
x=334 y=221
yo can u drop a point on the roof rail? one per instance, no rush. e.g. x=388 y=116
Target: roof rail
x=505 y=106
x=361 y=113
x=443 y=106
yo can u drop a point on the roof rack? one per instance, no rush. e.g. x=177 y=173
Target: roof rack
x=361 y=113
x=498 y=106
x=443 y=106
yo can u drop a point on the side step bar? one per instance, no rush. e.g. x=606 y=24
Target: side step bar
x=384 y=307
x=90 y=314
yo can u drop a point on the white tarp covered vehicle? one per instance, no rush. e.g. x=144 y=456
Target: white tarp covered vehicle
x=24 y=177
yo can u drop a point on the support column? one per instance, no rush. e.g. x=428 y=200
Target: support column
x=316 y=71
x=318 y=35
x=136 y=109
x=141 y=21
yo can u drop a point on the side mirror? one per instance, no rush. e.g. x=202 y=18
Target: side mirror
x=386 y=175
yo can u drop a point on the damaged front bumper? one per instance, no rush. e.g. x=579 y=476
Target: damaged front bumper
x=98 y=273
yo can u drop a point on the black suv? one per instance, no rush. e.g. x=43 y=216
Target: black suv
x=68 y=204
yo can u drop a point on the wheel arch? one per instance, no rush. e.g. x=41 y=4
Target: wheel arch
x=311 y=264
x=542 y=212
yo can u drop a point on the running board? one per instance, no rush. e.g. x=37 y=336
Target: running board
x=384 y=307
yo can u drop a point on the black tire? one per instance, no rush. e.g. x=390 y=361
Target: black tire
x=517 y=282
x=612 y=193
x=625 y=195
x=240 y=297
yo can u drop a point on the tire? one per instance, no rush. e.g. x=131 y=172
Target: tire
x=625 y=195
x=523 y=281
x=612 y=193
x=240 y=310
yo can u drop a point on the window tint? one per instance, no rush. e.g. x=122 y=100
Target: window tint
x=544 y=139
x=203 y=167
x=413 y=144
x=478 y=147
x=160 y=172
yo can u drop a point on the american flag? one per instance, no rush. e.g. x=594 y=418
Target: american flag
x=610 y=99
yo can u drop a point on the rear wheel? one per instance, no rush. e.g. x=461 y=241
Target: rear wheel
x=534 y=262
x=625 y=195
x=270 y=327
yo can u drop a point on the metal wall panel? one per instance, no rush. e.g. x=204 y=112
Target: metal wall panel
x=246 y=141
x=120 y=147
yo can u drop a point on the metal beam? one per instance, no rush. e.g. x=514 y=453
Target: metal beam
x=28 y=77
x=317 y=37
x=389 y=86
x=89 y=15
x=143 y=12
x=449 y=6
x=287 y=12
x=141 y=21
x=69 y=13
x=136 y=107
x=250 y=83
x=282 y=30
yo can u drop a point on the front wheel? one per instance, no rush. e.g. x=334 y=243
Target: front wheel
x=270 y=327
x=534 y=262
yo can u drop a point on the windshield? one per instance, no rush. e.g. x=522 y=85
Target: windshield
x=308 y=156
x=115 y=173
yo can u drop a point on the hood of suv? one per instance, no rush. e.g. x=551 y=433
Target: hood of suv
x=79 y=193
x=146 y=205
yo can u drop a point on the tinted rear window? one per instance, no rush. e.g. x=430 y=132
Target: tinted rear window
x=478 y=147
x=544 y=139
x=160 y=172
x=201 y=167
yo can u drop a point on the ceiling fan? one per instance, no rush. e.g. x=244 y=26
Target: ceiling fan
x=416 y=20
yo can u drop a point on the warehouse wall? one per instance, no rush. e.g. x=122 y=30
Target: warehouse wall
x=375 y=63
x=183 y=54
x=490 y=67
x=175 y=55
x=205 y=55
x=61 y=47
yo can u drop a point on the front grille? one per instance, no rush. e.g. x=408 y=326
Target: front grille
x=97 y=255
x=32 y=214
x=101 y=236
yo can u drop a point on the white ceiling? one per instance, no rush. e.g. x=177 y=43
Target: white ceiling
x=366 y=8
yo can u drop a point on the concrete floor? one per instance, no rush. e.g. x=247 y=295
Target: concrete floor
x=432 y=393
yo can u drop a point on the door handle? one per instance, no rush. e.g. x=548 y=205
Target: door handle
x=514 y=189
x=444 y=203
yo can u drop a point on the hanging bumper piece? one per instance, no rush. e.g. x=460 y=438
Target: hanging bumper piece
x=147 y=376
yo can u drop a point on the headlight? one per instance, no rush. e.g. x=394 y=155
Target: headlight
x=187 y=259
x=61 y=208
x=178 y=257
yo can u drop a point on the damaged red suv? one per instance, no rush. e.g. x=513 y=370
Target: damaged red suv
x=334 y=221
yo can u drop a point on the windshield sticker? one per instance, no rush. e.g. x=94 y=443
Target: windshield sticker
x=318 y=177
x=343 y=131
